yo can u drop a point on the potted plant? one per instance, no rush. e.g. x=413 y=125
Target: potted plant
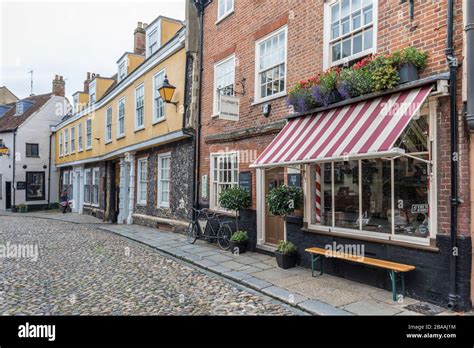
x=283 y=200
x=285 y=254
x=300 y=96
x=238 y=242
x=409 y=61
x=326 y=92
x=235 y=199
x=22 y=208
x=355 y=81
x=384 y=74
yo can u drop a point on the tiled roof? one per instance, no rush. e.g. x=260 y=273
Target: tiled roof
x=8 y=122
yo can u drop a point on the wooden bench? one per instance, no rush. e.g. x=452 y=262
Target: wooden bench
x=393 y=268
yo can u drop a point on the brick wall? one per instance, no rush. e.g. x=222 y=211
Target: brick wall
x=252 y=19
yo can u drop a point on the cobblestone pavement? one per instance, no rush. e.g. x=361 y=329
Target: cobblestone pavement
x=85 y=271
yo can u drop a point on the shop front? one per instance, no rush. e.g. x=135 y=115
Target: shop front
x=371 y=178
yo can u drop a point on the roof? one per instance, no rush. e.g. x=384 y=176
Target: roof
x=9 y=122
x=6 y=96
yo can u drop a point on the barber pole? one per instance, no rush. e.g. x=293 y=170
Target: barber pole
x=318 y=193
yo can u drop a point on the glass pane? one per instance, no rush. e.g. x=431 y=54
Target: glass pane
x=336 y=51
x=355 y=5
x=416 y=135
x=322 y=193
x=368 y=39
x=376 y=195
x=335 y=13
x=346 y=194
x=368 y=15
x=357 y=44
x=346 y=48
x=356 y=21
x=345 y=22
x=411 y=198
x=345 y=7
x=335 y=30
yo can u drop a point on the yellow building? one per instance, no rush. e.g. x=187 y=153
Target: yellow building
x=126 y=155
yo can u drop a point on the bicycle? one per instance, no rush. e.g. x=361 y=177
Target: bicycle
x=214 y=228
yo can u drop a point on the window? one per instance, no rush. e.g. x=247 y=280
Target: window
x=60 y=143
x=87 y=185
x=379 y=197
x=35 y=186
x=32 y=150
x=153 y=42
x=19 y=108
x=92 y=92
x=2 y=144
x=66 y=142
x=76 y=103
x=164 y=166
x=224 y=8
x=142 y=181
x=122 y=70
x=73 y=139
x=224 y=174
x=121 y=118
x=350 y=30
x=139 y=107
x=271 y=65
x=88 y=134
x=67 y=183
x=158 y=104
x=224 y=79
x=108 y=125
x=79 y=137
x=95 y=186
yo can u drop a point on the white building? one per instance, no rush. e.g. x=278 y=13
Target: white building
x=28 y=174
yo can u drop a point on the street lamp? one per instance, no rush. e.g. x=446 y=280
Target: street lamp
x=167 y=91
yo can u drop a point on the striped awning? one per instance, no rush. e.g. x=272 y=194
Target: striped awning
x=365 y=129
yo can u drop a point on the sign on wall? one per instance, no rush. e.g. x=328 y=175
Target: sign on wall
x=21 y=185
x=204 y=187
x=245 y=181
x=4 y=151
x=294 y=180
x=230 y=108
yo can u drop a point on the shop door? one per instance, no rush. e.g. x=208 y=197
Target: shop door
x=8 y=195
x=274 y=225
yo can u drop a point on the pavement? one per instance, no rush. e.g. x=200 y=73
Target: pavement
x=324 y=295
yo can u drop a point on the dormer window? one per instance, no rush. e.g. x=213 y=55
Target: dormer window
x=153 y=42
x=122 y=71
x=76 y=103
x=92 y=92
x=22 y=106
x=19 y=108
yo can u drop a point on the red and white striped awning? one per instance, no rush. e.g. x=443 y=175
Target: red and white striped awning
x=366 y=129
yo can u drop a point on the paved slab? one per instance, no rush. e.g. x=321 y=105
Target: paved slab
x=369 y=307
x=321 y=308
x=284 y=294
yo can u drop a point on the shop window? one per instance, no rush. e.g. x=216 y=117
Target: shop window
x=35 y=186
x=164 y=167
x=142 y=181
x=224 y=174
x=32 y=150
x=224 y=79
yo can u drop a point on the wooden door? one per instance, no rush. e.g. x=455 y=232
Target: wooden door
x=274 y=225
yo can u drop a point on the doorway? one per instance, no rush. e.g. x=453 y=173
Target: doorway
x=8 y=195
x=274 y=225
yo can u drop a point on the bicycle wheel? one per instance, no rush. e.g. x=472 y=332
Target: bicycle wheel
x=223 y=237
x=191 y=233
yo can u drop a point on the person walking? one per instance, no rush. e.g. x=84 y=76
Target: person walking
x=64 y=201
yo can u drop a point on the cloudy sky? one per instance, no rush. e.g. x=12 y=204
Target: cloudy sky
x=69 y=38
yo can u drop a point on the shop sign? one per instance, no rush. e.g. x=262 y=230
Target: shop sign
x=245 y=181
x=419 y=209
x=294 y=180
x=230 y=108
x=4 y=151
x=21 y=185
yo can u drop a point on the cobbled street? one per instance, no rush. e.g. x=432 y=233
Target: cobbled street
x=82 y=270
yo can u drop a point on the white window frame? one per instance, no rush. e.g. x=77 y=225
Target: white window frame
x=80 y=137
x=151 y=43
x=95 y=176
x=142 y=184
x=137 y=89
x=73 y=139
x=61 y=142
x=227 y=11
x=216 y=94
x=88 y=135
x=121 y=135
x=157 y=98
x=108 y=124
x=258 y=98
x=215 y=181
x=432 y=199
x=92 y=92
x=122 y=70
x=66 y=142
x=327 y=54
x=162 y=204
x=87 y=198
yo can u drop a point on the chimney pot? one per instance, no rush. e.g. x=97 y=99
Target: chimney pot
x=139 y=39
x=59 y=86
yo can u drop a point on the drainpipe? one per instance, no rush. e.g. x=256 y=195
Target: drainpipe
x=49 y=169
x=470 y=63
x=453 y=68
x=14 y=167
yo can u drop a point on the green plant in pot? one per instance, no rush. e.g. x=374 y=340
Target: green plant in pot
x=235 y=199
x=238 y=242
x=22 y=208
x=409 y=61
x=286 y=254
x=283 y=200
x=384 y=74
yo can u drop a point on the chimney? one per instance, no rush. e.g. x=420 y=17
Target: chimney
x=86 y=83
x=139 y=39
x=59 y=86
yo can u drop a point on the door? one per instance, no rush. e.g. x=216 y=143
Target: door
x=274 y=225
x=8 y=195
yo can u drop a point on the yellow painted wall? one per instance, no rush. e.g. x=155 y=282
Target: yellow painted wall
x=102 y=85
x=168 y=30
x=83 y=100
x=176 y=71
x=134 y=61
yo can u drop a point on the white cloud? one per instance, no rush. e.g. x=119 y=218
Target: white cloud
x=69 y=38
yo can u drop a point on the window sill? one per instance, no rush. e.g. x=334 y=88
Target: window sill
x=89 y=149
x=159 y=120
x=32 y=156
x=163 y=206
x=121 y=136
x=220 y=20
x=268 y=99
x=139 y=129
x=108 y=142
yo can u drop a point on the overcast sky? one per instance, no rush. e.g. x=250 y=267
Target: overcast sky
x=69 y=38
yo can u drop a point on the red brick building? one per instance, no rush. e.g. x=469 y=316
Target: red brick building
x=257 y=50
